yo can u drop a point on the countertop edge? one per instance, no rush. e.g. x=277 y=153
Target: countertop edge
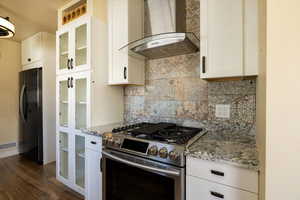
x=222 y=161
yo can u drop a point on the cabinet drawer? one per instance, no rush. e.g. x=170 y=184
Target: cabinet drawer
x=94 y=143
x=198 y=189
x=224 y=174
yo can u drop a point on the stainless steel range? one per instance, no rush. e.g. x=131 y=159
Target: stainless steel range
x=146 y=161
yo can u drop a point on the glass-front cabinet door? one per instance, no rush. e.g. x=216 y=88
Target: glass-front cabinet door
x=63 y=102
x=73 y=97
x=80 y=161
x=63 y=51
x=64 y=155
x=81 y=97
x=73 y=43
x=81 y=44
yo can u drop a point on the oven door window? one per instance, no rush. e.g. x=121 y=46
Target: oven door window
x=124 y=182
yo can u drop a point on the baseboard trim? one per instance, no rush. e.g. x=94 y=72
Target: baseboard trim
x=8 y=145
x=5 y=154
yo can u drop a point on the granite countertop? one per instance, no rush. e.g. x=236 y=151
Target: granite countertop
x=100 y=130
x=234 y=147
x=229 y=146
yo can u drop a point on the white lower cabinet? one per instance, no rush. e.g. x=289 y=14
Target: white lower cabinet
x=207 y=180
x=93 y=168
x=78 y=163
x=237 y=177
x=199 y=189
x=71 y=160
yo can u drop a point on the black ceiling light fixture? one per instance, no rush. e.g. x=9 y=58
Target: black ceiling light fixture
x=7 y=29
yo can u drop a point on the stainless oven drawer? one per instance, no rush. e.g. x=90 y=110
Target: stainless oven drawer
x=140 y=178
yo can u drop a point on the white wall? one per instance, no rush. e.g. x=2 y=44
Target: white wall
x=10 y=66
x=261 y=97
x=49 y=98
x=283 y=100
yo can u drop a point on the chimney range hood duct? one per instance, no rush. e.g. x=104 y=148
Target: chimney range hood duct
x=168 y=36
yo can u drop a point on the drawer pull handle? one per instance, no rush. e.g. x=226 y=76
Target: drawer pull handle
x=203 y=64
x=216 y=194
x=101 y=164
x=92 y=142
x=218 y=173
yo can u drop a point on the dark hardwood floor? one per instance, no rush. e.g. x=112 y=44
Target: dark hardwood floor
x=21 y=179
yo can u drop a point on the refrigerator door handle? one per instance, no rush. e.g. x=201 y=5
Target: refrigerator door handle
x=38 y=89
x=21 y=102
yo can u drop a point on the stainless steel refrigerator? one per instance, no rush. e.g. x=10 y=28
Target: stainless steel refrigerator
x=31 y=115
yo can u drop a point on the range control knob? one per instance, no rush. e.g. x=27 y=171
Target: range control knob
x=110 y=141
x=106 y=138
x=163 y=152
x=173 y=155
x=115 y=130
x=153 y=151
x=117 y=142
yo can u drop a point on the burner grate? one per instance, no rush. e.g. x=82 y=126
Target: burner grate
x=178 y=135
x=165 y=132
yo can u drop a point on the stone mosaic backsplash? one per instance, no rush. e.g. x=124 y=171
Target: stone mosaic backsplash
x=175 y=93
x=240 y=95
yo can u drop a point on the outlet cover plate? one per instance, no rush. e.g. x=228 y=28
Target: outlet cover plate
x=223 y=111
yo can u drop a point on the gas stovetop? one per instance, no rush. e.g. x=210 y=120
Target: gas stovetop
x=164 y=142
x=162 y=132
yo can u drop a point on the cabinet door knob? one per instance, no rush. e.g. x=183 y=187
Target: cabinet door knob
x=93 y=142
x=125 y=73
x=29 y=59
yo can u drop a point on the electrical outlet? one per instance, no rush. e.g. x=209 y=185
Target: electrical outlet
x=223 y=111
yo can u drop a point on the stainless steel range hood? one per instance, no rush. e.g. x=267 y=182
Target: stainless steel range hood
x=167 y=30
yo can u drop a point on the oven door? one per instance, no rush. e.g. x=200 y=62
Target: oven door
x=127 y=177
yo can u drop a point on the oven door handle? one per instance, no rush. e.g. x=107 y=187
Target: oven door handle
x=167 y=172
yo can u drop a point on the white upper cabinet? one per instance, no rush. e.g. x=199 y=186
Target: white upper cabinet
x=229 y=38
x=126 y=24
x=32 y=49
x=251 y=38
x=73 y=46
